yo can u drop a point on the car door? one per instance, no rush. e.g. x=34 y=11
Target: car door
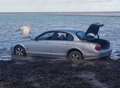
x=59 y=44
x=41 y=44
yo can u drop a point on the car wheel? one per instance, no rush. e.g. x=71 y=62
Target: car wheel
x=75 y=57
x=19 y=51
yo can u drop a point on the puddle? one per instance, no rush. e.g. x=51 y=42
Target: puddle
x=6 y=58
x=5 y=55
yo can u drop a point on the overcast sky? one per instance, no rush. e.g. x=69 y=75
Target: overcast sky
x=58 y=5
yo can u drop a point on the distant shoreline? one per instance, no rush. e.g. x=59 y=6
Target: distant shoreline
x=67 y=13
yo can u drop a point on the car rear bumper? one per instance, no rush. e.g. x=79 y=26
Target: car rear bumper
x=101 y=54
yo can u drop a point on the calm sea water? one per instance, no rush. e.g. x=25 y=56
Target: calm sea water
x=9 y=23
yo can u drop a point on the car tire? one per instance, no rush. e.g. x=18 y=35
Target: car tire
x=19 y=51
x=75 y=57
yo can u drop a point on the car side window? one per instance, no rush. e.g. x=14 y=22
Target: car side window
x=64 y=36
x=55 y=36
x=80 y=35
x=45 y=36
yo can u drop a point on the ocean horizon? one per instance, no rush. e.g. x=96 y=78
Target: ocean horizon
x=107 y=13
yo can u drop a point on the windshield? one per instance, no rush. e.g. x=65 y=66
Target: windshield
x=80 y=35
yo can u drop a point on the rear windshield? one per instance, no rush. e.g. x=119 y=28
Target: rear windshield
x=80 y=35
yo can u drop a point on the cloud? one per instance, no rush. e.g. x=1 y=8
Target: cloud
x=59 y=5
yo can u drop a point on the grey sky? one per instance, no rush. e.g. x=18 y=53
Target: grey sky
x=58 y=5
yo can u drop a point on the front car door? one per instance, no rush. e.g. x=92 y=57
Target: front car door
x=41 y=45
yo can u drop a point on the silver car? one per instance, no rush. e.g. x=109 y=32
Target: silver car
x=70 y=44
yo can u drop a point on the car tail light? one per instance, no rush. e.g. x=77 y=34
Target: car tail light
x=98 y=47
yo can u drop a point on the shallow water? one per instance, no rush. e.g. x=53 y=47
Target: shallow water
x=9 y=23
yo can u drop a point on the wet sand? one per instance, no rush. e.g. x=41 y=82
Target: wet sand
x=59 y=74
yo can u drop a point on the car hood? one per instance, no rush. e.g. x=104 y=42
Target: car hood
x=27 y=42
x=23 y=42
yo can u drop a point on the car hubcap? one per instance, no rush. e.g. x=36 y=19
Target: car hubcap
x=76 y=58
x=19 y=52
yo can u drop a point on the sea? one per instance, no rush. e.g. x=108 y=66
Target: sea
x=11 y=22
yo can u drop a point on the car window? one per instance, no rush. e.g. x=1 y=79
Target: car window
x=80 y=35
x=55 y=36
x=45 y=36
x=63 y=36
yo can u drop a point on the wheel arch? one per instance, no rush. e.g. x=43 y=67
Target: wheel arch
x=19 y=45
x=74 y=49
x=12 y=48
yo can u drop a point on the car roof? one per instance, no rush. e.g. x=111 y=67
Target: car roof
x=67 y=30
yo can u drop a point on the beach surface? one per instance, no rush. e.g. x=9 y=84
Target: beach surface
x=42 y=73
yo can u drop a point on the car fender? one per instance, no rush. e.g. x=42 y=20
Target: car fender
x=13 y=46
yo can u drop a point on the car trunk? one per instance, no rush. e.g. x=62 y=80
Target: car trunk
x=94 y=29
x=104 y=43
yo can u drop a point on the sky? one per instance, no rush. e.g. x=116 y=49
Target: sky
x=58 y=5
